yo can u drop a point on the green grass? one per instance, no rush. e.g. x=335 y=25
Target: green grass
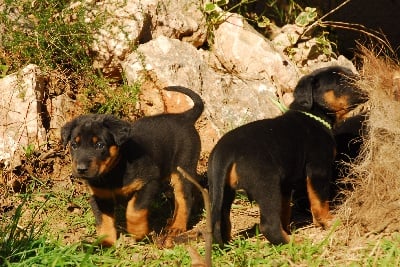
x=32 y=236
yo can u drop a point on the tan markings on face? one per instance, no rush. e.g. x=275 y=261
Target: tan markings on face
x=286 y=213
x=136 y=220
x=337 y=104
x=136 y=185
x=180 y=217
x=319 y=209
x=95 y=139
x=77 y=139
x=106 y=229
x=110 y=161
x=232 y=178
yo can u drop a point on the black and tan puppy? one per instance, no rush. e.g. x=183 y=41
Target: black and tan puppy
x=269 y=158
x=124 y=163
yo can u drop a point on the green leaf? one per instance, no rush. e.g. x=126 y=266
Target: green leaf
x=3 y=70
x=306 y=17
x=210 y=8
x=263 y=22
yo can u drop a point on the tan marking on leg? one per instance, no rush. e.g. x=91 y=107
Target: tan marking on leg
x=232 y=178
x=180 y=218
x=110 y=161
x=285 y=235
x=320 y=210
x=107 y=230
x=136 y=220
x=181 y=215
x=286 y=213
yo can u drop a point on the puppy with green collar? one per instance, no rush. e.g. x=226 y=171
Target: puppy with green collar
x=269 y=158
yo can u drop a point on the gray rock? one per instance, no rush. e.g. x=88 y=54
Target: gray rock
x=21 y=105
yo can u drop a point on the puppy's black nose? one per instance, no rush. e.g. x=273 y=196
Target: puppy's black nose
x=82 y=168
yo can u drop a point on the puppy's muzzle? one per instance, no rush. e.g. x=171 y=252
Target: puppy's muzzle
x=83 y=169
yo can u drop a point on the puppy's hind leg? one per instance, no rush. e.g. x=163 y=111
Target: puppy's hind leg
x=271 y=225
x=272 y=211
x=226 y=225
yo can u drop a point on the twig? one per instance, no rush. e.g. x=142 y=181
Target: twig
x=48 y=154
x=359 y=28
x=207 y=204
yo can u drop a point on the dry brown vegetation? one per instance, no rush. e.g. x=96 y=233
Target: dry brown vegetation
x=372 y=210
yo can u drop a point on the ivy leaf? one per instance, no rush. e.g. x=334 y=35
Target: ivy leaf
x=210 y=8
x=306 y=17
x=263 y=22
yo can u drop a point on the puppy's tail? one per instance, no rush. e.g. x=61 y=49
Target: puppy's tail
x=198 y=106
x=216 y=182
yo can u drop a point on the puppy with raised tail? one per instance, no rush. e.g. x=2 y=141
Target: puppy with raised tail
x=124 y=163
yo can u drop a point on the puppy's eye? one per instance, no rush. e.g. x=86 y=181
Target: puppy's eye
x=74 y=145
x=99 y=145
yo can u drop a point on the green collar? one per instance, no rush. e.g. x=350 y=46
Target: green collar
x=324 y=122
x=283 y=109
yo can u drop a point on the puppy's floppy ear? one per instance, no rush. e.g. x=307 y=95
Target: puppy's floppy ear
x=66 y=131
x=303 y=93
x=119 y=129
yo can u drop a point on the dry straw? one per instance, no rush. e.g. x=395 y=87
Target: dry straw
x=372 y=209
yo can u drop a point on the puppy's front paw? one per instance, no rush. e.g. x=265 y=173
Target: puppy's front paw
x=107 y=242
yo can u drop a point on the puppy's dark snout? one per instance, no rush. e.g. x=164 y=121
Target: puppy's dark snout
x=82 y=167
